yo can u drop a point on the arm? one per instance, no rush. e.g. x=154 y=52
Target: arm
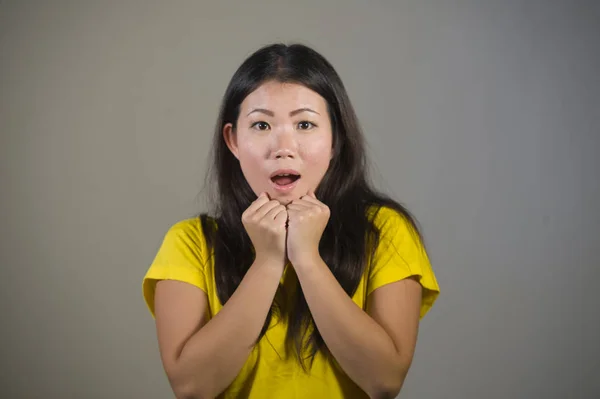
x=202 y=358
x=375 y=348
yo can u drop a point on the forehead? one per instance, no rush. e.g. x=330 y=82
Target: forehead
x=283 y=98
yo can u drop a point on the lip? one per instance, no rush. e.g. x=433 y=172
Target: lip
x=284 y=171
x=288 y=187
x=284 y=189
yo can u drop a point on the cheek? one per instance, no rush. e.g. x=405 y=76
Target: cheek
x=251 y=157
x=250 y=150
x=317 y=153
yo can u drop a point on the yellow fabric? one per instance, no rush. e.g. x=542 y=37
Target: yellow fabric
x=269 y=372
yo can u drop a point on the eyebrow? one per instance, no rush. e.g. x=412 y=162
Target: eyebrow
x=271 y=113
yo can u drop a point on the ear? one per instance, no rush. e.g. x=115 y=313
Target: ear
x=230 y=139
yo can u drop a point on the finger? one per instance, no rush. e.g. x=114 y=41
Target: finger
x=311 y=200
x=275 y=211
x=299 y=206
x=281 y=217
x=310 y=194
x=257 y=203
x=262 y=199
x=266 y=208
x=302 y=201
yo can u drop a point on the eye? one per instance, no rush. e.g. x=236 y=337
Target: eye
x=305 y=125
x=260 y=125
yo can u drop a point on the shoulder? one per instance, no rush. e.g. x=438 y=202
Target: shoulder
x=190 y=227
x=182 y=256
x=391 y=222
x=186 y=231
x=400 y=254
x=184 y=243
x=186 y=227
x=190 y=231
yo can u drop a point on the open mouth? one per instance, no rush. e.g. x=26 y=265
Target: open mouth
x=285 y=179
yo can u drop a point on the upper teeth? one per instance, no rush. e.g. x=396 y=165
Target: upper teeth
x=283 y=174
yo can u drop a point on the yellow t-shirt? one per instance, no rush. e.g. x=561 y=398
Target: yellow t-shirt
x=268 y=373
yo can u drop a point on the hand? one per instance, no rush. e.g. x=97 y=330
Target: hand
x=265 y=222
x=307 y=218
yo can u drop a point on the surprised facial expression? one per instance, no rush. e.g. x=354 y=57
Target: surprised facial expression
x=283 y=140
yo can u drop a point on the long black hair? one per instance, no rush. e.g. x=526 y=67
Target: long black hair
x=350 y=236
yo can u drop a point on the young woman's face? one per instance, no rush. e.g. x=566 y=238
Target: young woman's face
x=283 y=140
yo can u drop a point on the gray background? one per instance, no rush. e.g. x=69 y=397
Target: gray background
x=481 y=116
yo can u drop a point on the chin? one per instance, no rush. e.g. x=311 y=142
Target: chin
x=285 y=199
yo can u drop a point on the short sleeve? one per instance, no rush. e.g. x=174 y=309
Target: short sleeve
x=180 y=257
x=399 y=255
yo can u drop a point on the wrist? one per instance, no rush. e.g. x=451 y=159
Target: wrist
x=269 y=262
x=307 y=260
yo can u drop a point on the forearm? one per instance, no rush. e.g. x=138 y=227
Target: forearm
x=360 y=345
x=213 y=357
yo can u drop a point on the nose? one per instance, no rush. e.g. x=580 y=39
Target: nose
x=285 y=145
x=284 y=153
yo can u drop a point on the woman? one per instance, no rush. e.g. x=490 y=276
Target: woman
x=305 y=282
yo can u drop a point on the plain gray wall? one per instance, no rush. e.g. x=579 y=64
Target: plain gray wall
x=481 y=116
